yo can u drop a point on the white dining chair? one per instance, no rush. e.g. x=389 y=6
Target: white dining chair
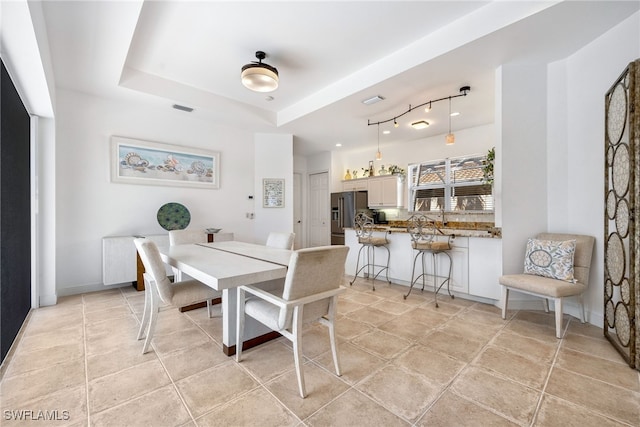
x=184 y=237
x=281 y=240
x=158 y=288
x=310 y=293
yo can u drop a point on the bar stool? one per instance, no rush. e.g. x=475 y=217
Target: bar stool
x=363 y=226
x=423 y=239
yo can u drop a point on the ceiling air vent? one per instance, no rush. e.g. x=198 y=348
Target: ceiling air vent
x=182 y=108
x=373 y=100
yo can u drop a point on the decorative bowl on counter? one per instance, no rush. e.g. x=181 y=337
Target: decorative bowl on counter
x=213 y=230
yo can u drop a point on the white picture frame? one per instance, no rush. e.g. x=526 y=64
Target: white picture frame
x=135 y=161
x=273 y=193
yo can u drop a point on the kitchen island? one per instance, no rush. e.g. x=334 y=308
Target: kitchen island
x=476 y=254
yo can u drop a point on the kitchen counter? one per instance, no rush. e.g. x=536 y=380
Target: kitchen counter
x=458 y=229
x=476 y=259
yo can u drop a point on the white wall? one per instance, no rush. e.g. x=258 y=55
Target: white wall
x=523 y=130
x=45 y=208
x=89 y=206
x=580 y=83
x=274 y=159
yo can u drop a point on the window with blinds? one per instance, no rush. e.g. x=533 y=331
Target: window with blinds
x=454 y=184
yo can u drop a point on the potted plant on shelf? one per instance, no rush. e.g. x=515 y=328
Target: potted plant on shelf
x=397 y=170
x=487 y=169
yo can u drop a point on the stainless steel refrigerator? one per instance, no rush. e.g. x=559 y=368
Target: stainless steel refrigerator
x=344 y=207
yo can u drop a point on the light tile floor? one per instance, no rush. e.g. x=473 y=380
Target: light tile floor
x=404 y=363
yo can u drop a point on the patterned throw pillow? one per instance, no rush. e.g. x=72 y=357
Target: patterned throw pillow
x=550 y=258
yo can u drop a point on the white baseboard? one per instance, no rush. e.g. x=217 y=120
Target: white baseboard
x=47 y=300
x=519 y=301
x=570 y=307
x=75 y=290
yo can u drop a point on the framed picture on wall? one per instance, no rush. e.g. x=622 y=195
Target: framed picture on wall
x=273 y=193
x=135 y=161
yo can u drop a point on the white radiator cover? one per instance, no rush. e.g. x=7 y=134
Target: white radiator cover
x=119 y=263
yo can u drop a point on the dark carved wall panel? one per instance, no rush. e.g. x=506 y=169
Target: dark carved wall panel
x=622 y=242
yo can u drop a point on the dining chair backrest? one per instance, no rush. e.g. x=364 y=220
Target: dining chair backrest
x=313 y=271
x=150 y=256
x=280 y=240
x=182 y=237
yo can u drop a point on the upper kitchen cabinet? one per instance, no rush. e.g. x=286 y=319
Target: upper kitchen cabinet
x=355 y=185
x=385 y=192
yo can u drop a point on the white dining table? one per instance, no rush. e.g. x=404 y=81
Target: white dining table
x=224 y=266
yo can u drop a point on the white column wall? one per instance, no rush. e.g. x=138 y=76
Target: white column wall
x=273 y=159
x=523 y=159
x=46 y=212
x=576 y=168
x=557 y=147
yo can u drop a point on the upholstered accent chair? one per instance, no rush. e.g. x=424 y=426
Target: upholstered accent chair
x=309 y=293
x=550 y=287
x=364 y=228
x=158 y=288
x=281 y=240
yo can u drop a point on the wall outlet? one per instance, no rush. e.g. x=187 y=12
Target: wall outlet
x=250 y=215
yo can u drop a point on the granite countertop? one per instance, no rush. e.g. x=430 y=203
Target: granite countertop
x=460 y=229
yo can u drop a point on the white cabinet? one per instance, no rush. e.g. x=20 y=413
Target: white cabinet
x=476 y=263
x=460 y=265
x=355 y=185
x=401 y=262
x=485 y=267
x=119 y=263
x=385 y=192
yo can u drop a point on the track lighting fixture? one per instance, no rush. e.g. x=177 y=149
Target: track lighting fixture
x=450 y=138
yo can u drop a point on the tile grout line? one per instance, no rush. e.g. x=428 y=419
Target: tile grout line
x=415 y=343
x=464 y=309
x=86 y=362
x=175 y=387
x=193 y=418
x=468 y=365
x=509 y=320
x=561 y=345
x=551 y=368
x=173 y=384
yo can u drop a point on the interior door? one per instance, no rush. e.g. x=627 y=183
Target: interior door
x=319 y=233
x=297 y=210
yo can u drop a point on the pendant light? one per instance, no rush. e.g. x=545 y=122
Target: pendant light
x=378 y=154
x=450 y=138
x=258 y=76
